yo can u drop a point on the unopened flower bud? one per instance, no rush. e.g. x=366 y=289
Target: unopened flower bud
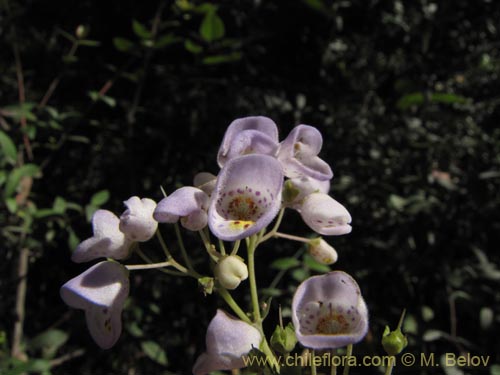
x=283 y=340
x=394 y=342
x=82 y=31
x=231 y=271
x=321 y=251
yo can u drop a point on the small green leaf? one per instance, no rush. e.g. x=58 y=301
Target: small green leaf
x=123 y=44
x=8 y=147
x=192 y=47
x=59 y=205
x=154 y=352
x=89 y=43
x=285 y=263
x=220 y=59
x=495 y=370
x=49 y=342
x=140 y=30
x=99 y=198
x=312 y=264
x=212 y=27
x=20 y=111
x=15 y=177
x=166 y=40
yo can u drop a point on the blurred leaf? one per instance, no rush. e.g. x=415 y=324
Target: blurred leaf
x=73 y=239
x=59 y=205
x=418 y=98
x=192 y=47
x=397 y=202
x=427 y=313
x=285 y=263
x=316 y=4
x=99 y=198
x=486 y=318
x=140 y=30
x=19 y=111
x=15 y=177
x=300 y=274
x=433 y=335
x=312 y=264
x=212 y=27
x=166 y=40
x=489 y=174
x=123 y=44
x=219 y=59
x=495 y=370
x=135 y=329
x=48 y=342
x=8 y=147
x=154 y=352
x=89 y=43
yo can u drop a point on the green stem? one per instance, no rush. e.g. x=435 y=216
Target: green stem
x=233 y=304
x=222 y=247
x=253 y=281
x=145 y=258
x=163 y=245
x=275 y=227
x=313 y=364
x=292 y=237
x=133 y=267
x=236 y=247
x=184 y=253
x=388 y=369
x=348 y=354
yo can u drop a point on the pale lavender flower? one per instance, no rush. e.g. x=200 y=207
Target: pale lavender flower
x=247 y=197
x=188 y=203
x=248 y=135
x=205 y=181
x=108 y=241
x=325 y=215
x=298 y=154
x=328 y=311
x=228 y=339
x=304 y=186
x=137 y=221
x=101 y=292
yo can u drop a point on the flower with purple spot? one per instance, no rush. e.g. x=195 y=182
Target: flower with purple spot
x=325 y=215
x=298 y=154
x=248 y=135
x=228 y=339
x=189 y=204
x=328 y=311
x=247 y=197
x=100 y=291
x=108 y=240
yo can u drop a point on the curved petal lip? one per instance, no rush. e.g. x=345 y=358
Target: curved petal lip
x=335 y=231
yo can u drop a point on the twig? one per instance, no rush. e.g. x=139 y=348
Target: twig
x=22 y=273
x=67 y=357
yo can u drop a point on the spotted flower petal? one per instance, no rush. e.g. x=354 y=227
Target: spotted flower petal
x=328 y=311
x=228 y=340
x=137 y=221
x=108 y=241
x=100 y=291
x=187 y=203
x=247 y=197
x=248 y=135
x=325 y=215
x=298 y=154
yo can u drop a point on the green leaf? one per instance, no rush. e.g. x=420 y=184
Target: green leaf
x=166 y=40
x=8 y=147
x=49 y=342
x=140 y=30
x=212 y=27
x=219 y=59
x=285 y=263
x=154 y=352
x=418 y=98
x=99 y=198
x=19 y=111
x=192 y=47
x=495 y=370
x=89 y=43
x=59 y=205
x=15 y=177
x=312 y=264
x=123 y=44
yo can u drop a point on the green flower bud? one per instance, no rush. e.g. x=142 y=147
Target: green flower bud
x=394 y=342
x=256 y=360
x=206 y=285
x=321 y=251
x=283 y=340
x=231 y=271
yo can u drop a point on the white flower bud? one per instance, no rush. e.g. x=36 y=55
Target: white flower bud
x=231 y=271
x=322 y=252
x=137 y=222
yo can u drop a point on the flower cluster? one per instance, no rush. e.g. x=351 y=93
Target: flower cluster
x=259 y=178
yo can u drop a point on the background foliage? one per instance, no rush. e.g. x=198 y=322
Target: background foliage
x=100 y=101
